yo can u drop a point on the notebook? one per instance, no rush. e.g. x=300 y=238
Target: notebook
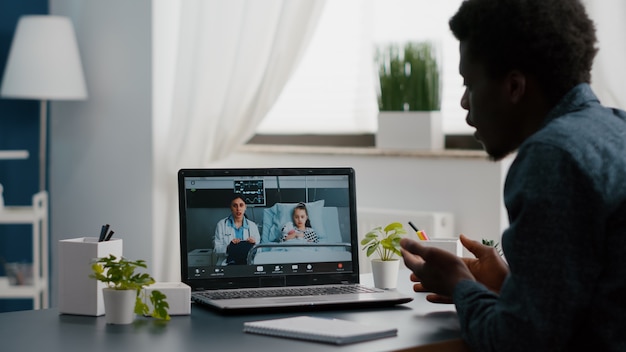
x=334 y=331
x=272 y=268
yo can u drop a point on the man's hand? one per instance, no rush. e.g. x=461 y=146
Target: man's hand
x=437 y=271
x=487 y=268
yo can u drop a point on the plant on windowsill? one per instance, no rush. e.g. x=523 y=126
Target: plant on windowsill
x=385 y=242
x=494 y=244
x=123 y=282
x=408 y=97
x=409 y=77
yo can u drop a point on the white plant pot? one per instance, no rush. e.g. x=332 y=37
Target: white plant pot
x=385 y=273
x=119 y=305
x=410 y=130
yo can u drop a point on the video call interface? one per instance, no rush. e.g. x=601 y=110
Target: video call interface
x=276 y=238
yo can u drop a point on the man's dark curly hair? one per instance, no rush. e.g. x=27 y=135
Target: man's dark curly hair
x=553 y=40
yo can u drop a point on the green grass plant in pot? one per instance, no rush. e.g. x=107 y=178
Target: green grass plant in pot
x=124 y=283
x=409 y=77
x=409 y=96
x=385 y=242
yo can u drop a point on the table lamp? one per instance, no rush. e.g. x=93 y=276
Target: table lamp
x=44 y=64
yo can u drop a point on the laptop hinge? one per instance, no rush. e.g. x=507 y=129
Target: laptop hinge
x=273 y=281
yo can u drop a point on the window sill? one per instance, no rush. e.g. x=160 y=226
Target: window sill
x=364 y=151
x=457 y=146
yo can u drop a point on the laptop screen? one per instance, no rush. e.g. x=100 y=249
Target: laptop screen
x=267 y=227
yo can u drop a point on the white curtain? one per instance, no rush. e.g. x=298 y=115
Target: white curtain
x=608 y=76
x=234 y=57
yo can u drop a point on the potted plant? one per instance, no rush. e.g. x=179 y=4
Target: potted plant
x=494 y=244
x=124 y=294
x=408 y=97
x=385 y=242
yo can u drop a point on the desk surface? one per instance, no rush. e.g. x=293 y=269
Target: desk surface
x=419 y=323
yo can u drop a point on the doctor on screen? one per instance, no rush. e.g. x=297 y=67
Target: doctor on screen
x=235 y=234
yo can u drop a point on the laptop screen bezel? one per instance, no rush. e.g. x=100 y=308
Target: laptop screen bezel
x=267 y=280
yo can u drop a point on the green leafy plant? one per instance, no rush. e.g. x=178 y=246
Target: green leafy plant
x=492 y=243
x=384 y=241
x=409 y=77
x=119 y=274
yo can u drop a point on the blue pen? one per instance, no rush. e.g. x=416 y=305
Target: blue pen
x=103 y=233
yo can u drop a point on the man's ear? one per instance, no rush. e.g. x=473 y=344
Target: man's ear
x=516 y=85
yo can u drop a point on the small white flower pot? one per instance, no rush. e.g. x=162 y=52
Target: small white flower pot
x=119 y=305
x=385 y=273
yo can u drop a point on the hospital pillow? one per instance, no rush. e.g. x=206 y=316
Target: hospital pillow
x=275 y=217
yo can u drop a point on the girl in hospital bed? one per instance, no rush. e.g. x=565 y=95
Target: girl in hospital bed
x=300 y=229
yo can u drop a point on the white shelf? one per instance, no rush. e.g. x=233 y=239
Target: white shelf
x=36 y=216
x=17 y=215
x=24 y=291
x=13 y=154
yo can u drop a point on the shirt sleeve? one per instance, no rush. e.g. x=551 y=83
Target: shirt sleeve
x=550 y=202
x=310 y=235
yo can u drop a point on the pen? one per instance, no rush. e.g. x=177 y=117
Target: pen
x=421 y=234
x=109 y=235
x=103 y=233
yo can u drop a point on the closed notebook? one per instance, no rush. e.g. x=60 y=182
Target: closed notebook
x=334 y=331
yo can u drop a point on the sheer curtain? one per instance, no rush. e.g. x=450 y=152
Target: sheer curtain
x=233 y=59
x=608 y=77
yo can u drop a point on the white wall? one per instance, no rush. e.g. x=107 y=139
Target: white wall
x=100 y=164
x=470 y=188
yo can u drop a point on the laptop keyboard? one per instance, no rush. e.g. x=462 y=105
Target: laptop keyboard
x=286 y=292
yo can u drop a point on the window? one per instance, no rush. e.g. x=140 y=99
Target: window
x=333 y=89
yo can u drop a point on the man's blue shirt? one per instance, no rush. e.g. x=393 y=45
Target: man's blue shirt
x=565 y=195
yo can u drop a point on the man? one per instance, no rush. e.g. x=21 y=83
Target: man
x=526 y=67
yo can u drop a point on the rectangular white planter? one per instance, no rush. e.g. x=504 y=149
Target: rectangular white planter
x=78 y=293
x=410 y=130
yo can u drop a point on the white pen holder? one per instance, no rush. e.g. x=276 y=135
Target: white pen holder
x=78 y=293
x=452 y=245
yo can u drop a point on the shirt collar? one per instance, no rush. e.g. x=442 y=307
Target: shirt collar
x=231 y=222
x=576 y=99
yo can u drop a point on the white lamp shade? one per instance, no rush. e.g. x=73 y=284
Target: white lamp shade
x=44 y=62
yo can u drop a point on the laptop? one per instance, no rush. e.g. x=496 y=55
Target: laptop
x=271 y=267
